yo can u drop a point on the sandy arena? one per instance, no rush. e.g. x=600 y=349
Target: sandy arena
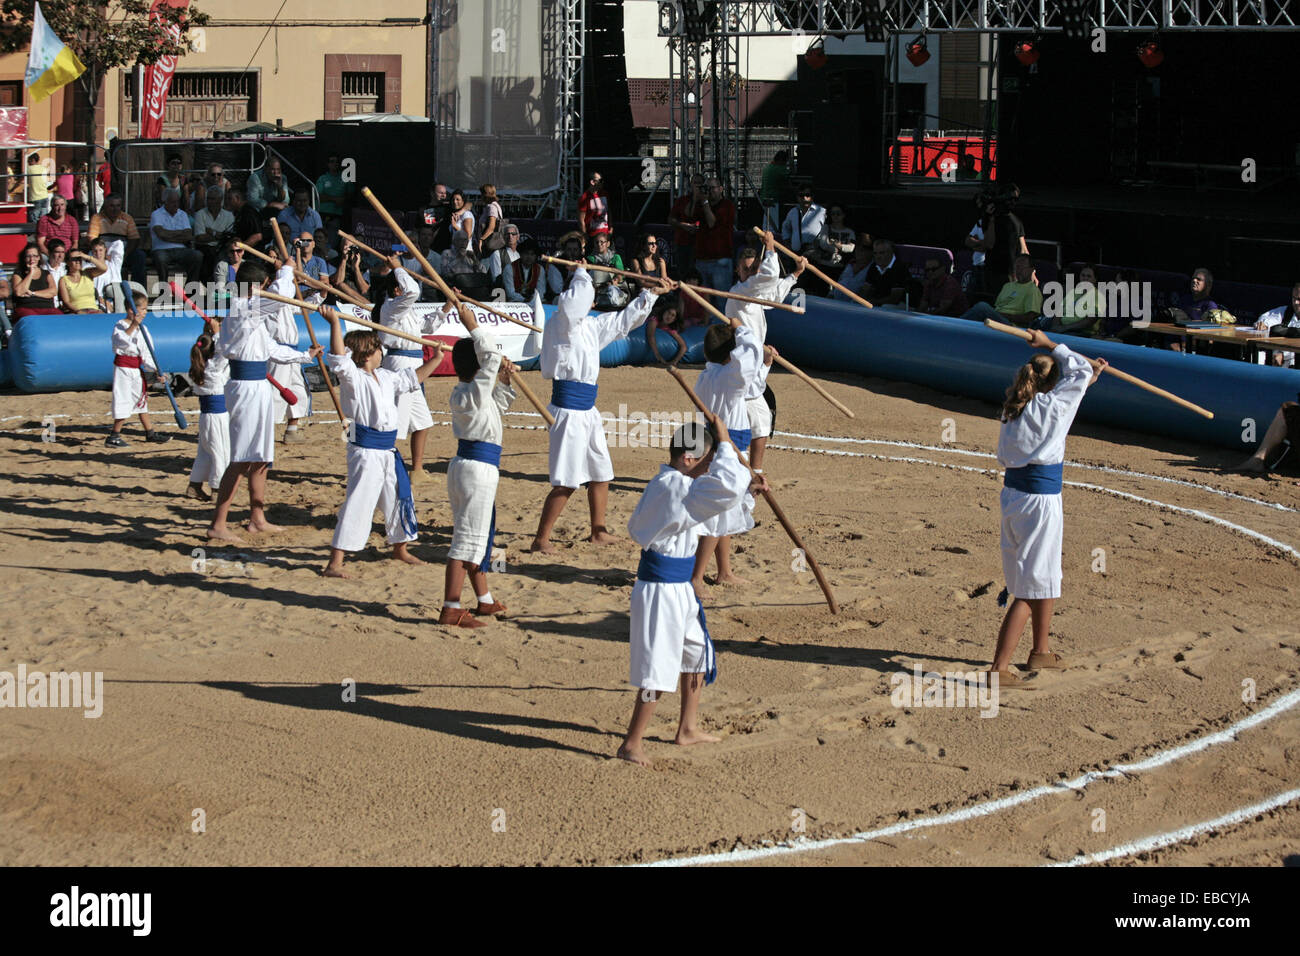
x=224 y=667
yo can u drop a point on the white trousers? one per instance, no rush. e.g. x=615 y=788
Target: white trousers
x=666 y=637
x=1032 y=527
x=760 y=417
x=129 y=396
x=213 y=454
x=372 y=481
x=472 y=488
x=290 y=376
x=413 y=413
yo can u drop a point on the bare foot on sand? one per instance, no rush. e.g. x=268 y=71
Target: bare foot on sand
x=633 y=755
x=407 y=557
x=1251 y=465
x=603 y=537
x=223 y=534
x=542 y=546
x=686 y=738
x=195 y=491
x=262 y=527
x=332 y=572
x=701 y=589
x=729 y=580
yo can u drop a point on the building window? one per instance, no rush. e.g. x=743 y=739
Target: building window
x=197 y=102
x=363 y=93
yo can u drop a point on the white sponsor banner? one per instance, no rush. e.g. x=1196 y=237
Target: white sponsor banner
x=516 y=342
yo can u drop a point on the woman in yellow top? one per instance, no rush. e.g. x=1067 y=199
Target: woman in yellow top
x=76 y=289
x=1082 y=310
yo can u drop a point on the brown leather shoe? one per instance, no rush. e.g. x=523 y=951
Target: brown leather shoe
x=458 y=617
x=487 y=610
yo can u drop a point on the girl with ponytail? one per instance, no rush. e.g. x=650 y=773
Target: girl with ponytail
x=209 y=372
x=1040 y=407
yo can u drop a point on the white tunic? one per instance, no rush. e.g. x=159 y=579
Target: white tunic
x=370 y=399
x=286 y=333
x=571 y=342
x=764 y=284
x=722 y=389
x=476 y=409
x=398 y=312
x=1032 y=525
x=666 y=637
x=247 y=335
x=129 y=394
x=213 y=453
x=112 y=275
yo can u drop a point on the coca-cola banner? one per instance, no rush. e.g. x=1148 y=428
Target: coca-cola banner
x=13 y=127
x=158 y=79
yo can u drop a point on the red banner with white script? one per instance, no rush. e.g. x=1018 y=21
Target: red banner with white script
x=158 y=79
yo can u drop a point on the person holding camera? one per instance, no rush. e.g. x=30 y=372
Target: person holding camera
x=1004 y=238
x=304 y=250
x=350 y=276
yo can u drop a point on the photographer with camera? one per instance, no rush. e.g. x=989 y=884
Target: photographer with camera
x=304 y=250
x=1004 y=237
x=350 y=276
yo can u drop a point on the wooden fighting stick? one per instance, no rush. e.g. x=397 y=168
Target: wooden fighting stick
x=783 y=362
x=596 y=267
x=817 y=272
x=1131 y=379
x=770 y=498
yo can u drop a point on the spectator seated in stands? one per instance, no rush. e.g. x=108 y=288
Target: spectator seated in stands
x=558 y=277
x=1283 y=317
x=173 y=239
x=666 y=316
x=804 y=223
x=611 y=290
x=424 y=240
x=502 y=259
x=692 y=311
x=6 y=290
x=268 y=193
x=836 y=243
x=172 y=178
x=854 y=276
x=106 y=269
x=325 y=249
x=648 y=261
x=941 y=292
x=1020 y=302
x=525 y=275
x=113 y=222
x=248 y=228
x=304 y=250
x=76 y=288
x=888 y=281
x=1194 y=309
x=1081 y=311
x=223 y=273
x=300 y=217
x=350 y=274
x=57 y=224
x=213 y=226
x=56 y=262
x=33 y=286
x=463 y=270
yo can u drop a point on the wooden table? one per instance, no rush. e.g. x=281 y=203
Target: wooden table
x=1247 y=341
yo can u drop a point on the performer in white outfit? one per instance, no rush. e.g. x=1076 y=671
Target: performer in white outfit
x=571 y=344
x=131 y=363
x=376 y=473
x=760 y=280
x=289 y=374
x=669 y=636
x=736 y=360
x=477 y=404
x=397 y=311
x=1040 y=407
x=209 y=372
x=247 y=341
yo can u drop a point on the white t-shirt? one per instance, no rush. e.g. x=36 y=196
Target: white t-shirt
x=977 y=257
x=177 y=222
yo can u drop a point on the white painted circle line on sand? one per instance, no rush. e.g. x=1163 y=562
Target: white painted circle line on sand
x=1147 y=844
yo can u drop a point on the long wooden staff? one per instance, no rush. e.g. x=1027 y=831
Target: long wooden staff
x=771 y=500
x=429 y=282
x=596 y=267
x=316 y=284
x=430 y=273
x=818 y=272
x=784 y=363
x=1131 y=379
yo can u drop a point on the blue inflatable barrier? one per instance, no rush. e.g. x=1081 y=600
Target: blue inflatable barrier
x=962 y=357
x=6 y=376
x=54 y=353
x=634 y=350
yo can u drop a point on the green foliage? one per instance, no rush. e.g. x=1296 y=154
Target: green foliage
x=119 y=33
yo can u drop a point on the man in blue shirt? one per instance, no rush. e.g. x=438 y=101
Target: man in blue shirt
x=300 y=217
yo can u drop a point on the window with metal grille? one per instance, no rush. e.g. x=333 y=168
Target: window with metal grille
x=204 y=86
x=363 y=84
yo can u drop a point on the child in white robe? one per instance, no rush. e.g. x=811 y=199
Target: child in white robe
x=668 y=635
x=1040 y=407
x=289 y=374
x=131 y=363
x=760 y=278
x=248 y=344
x=570 y=357
x=477 y=404
x=397 y=311
x=736 y=359
x=376 y=472
x=209 y=372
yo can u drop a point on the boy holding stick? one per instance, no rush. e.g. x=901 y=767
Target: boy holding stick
x=131 y=362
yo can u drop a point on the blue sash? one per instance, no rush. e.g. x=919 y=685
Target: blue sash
x=1035 y=479
x=576 y=396
x=656 y=568
x=212 y=404
x=741 y=437
x=364 y=437
x=483 y=451
x=241 y=371
x=407 y=353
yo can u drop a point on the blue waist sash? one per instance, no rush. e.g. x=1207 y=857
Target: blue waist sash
x=741 y=437
x=241 y=371
x=407 y=353
x=1035 y=479
x=483 y=451
x=656 y=568
x=212 y=404
x=577 y=396
x=364 y=437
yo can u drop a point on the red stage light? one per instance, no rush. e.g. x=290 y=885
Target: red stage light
x=917 y=53
x=816 y=56
x=1150 y=54
x=1027 y=52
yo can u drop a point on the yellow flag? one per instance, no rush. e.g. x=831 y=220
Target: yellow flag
x=51 y=63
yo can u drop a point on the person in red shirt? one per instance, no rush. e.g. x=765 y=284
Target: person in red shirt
x=714 y=241
x=57 y=224
x=685 y=220
x=593 y=209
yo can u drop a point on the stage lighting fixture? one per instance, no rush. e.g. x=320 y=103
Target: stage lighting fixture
x=1150 y=53
x=1027 y=51
x=873 y=21
x=1074 y=18
x=815 y=55
x=917 y=53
